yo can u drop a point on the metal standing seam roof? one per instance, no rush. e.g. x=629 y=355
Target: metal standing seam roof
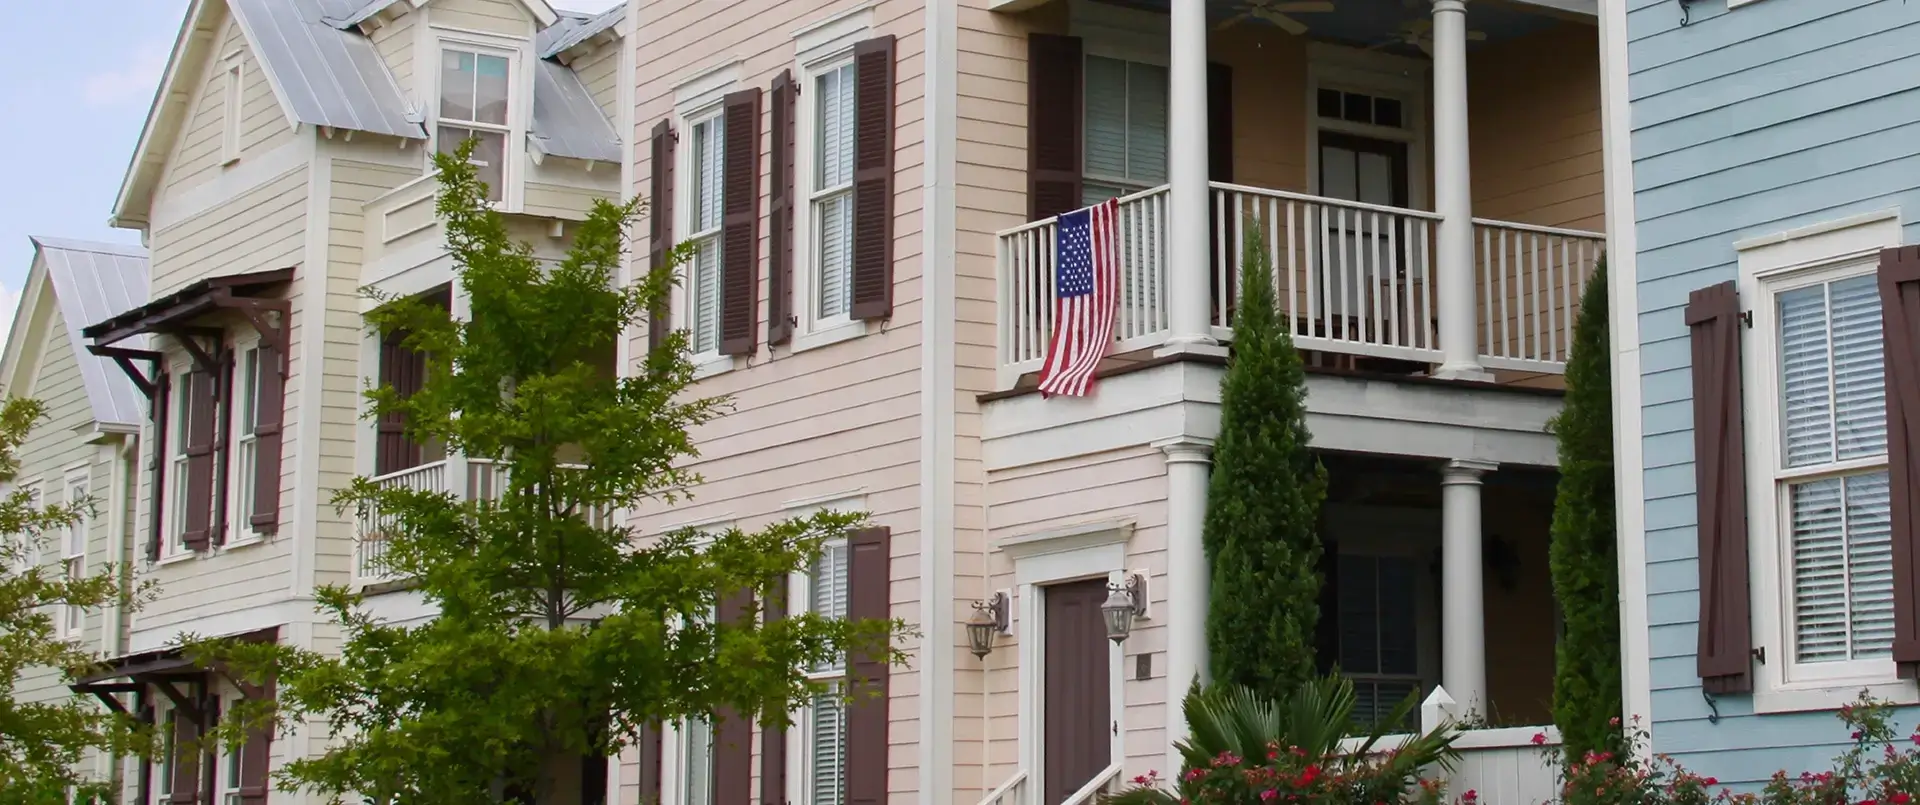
x=566 y=120
x=328 y=76
x=94 y=282
x=572 y=29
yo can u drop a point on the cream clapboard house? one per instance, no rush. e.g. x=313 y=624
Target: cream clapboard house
x=283 y=168
x=86 y=447
x=873 y=188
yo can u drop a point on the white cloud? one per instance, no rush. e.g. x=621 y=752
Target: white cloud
x=134 y=80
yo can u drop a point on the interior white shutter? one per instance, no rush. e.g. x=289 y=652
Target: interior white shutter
x=836 y=254
x=706 y=291
x=1859 y=369
x=1105 y=153
x=1146 y=123
x=827 y=739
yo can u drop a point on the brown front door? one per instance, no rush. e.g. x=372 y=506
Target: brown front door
x=1077 y=722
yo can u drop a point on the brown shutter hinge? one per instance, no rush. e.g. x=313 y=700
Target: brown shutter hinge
x=1746 y=318
x=1760 y=653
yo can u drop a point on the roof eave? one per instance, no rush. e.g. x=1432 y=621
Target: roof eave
x=131 y=206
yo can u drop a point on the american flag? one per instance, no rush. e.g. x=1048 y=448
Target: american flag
x=1087 y=274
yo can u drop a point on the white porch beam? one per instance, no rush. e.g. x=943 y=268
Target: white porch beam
x=1189 y=293
x=1453 y=194
x=1463 y=666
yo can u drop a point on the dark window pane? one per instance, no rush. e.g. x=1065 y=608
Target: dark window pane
x=1359 y=615
x=1399 y=634
x=1359 y=108
x=1330 y=103
x=1386 y=112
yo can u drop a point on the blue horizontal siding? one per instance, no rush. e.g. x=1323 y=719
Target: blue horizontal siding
x=1747 y=122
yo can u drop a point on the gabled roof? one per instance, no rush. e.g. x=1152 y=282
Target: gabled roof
x=90 y=281
x=574 y=29
x=345 y=13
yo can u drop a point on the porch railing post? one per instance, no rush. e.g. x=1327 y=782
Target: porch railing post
x=1453 y=194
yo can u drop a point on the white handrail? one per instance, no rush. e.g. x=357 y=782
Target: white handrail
x=1052 y=218
x=1326 y=201
x=1544 y=230
x=1094 y=786
x=993 y=797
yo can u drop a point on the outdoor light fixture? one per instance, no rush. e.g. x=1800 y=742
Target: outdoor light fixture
x=1126 y=601
x=990 y=617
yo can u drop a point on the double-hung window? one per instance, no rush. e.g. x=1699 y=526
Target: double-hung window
x=830 y=194
x=246 y=445
x=824 y=725
x=473 y=104
x=1830 y=482
x=74 y=553
x=176 y=476
x=696 y=757
x=1377 y=615
x=707 y=136
x=1125 y=147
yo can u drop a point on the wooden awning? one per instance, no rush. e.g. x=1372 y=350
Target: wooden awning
x=252 y=295
x=159 y=669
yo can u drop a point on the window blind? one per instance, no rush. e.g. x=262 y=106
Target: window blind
x=827 y=743
x=1125 y=141
x=835 y=173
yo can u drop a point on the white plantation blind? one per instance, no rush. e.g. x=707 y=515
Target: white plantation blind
x=1832 y=427
x=696 y=780
x=704 y=324
x=832 y=191
x=703 y=291
x=1125 y=146
x=826 y=750
x=827 y=588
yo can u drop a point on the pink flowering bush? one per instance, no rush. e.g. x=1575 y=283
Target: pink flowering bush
x=1246 y=750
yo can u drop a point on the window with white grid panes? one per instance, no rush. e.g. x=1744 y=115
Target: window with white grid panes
x=176 y=478
x=474 y=89
x=1829 y=473
x=830 y=192
x=824 y=724
x=700 y=225
x=73 y=552
x=246 y=440
x=1125 y=133
x=1377 y=618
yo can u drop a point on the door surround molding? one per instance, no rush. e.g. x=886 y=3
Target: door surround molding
x=1406 y=79
x=1072 y=553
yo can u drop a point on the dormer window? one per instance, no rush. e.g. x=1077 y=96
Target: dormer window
x=473 y=103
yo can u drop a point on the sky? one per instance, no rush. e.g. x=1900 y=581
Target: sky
x=79 y=78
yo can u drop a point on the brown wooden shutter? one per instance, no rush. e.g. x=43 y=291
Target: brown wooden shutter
x=1719 y=443
x=162 y=399
x=660 y=228
x=270 y=391
x=873 y=178
x=1054 y=73
x=256 y=755
x=869 y=594
x=780 y=192
x=740 y=224
x=1220 y=169
x=404 y=370
x=651 y=750
x=773 y=738
x=201 y=405
x=1900 y=321
x=186 y=759
x=222 y=447
x=732 y=732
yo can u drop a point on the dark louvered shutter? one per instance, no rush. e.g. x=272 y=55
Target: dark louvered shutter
x=1220 y=169
x=780 y=192
x=1719 y=443
x=162 y=399
x=1054 y=68
x=652 y=751
x=868 y=593
x=256 y=755
x=270 y=393
x=1900 y=321
x=732 y=732
x=186 y=760
x=201 y=404
x=873 y=178
x=403 y=370
x=660 y=228
x=222 y=447
x=773 y=738
x=740 y=224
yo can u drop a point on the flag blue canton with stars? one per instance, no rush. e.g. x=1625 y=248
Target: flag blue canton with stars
x=1075 y=272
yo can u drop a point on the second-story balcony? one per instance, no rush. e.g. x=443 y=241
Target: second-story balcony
x=1357 y=281
x=485 y=480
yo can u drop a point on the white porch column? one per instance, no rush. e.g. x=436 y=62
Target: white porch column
x=1189 y=303
x=1188 y=577
x=1463 y=630
x=1453 y=193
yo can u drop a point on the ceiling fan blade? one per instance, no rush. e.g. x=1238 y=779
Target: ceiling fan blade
x=1286 y=23
x=1302 y=6
x=1476 y=36
x=1425 y=46
x=1232 y=21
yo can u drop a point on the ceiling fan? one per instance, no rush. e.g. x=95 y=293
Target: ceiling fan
x=1419 y=33
x=1276 y=11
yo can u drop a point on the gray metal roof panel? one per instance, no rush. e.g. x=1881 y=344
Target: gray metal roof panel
x=566 y=120
x=572 y=29
x=94 y=282
x=328 y=76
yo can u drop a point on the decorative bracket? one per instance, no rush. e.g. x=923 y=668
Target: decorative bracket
x=180 y=700
x=104 y=692
x=207 y=360
x=124 y=358
x=269 y=319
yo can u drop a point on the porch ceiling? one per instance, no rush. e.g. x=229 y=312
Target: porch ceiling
x=1378 y=23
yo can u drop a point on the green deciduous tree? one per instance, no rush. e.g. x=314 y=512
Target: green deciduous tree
x=1586 y=687
x=43 y=742
x=559 y=635
x=1264 y=503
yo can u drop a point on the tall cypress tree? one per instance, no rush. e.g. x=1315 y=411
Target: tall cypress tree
x=1264 y=502
x=1586 y=685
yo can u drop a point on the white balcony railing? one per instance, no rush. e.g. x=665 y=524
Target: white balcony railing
x=1352 y=278
x=369 y=555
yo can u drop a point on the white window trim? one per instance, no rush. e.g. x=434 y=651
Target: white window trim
x=1769 y=264
x=226 y=772
x=232 y=107
x=820 y=48
x=240 y=533
x=76 y=476
x=799 y=599
x=519 y=55
x=173 y=546
x=697 y=100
